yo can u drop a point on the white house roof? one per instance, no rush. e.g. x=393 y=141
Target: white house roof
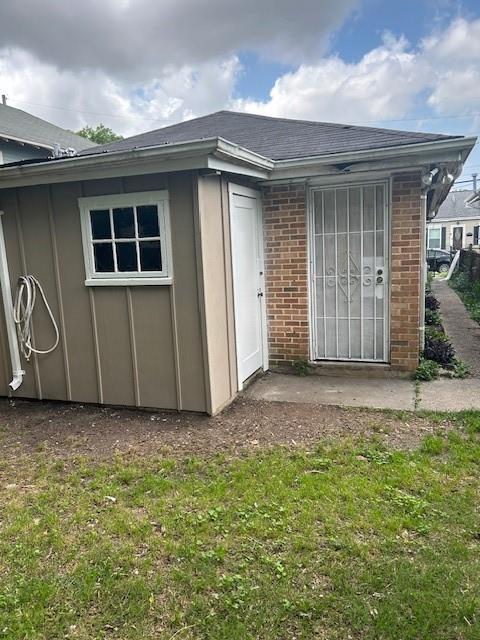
x=456 y=207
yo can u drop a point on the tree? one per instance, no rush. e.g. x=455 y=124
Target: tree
x=99 y=134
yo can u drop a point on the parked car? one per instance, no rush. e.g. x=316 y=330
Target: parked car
x=438 y=260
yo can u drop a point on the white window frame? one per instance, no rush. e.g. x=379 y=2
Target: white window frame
x=434 y=227
x=127 y=278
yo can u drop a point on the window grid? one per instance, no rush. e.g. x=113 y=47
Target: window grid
x=113 y=240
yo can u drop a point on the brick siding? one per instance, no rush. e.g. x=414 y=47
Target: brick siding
x=286 y=271
x=406 y=268
x=286 y=265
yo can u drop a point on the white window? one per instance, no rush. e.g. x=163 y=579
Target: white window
x=434 y=237
x=126 y=239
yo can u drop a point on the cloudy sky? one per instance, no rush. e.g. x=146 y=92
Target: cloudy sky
x=137 y=65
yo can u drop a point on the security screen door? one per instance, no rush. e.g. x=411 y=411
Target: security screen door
x=350 y=273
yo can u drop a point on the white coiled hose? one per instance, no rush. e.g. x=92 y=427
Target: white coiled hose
x=24 y=305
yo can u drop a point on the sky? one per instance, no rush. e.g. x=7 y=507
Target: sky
x=137 y=65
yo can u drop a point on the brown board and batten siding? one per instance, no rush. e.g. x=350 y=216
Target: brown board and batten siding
x=140 y=345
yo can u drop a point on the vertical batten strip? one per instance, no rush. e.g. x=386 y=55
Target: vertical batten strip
x=23 y=258
x=133 y=346
x=97 y=346
x=91 y=296
x=176 y=354
x=226 y=244
x=58 y=284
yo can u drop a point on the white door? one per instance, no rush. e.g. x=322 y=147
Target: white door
x=350 y=273
x=248 y=279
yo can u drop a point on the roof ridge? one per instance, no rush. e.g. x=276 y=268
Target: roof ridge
x=342 y=125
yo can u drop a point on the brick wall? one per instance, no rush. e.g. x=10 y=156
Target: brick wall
x=285 y=218
x=286 y=270
x=406 y=267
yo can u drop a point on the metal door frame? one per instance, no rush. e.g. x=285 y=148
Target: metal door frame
x=314 y=186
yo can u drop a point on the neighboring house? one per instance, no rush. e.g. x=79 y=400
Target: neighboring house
x=457 y=223
x=26 y=137
x=181 y=261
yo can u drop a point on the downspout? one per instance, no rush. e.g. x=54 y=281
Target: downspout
x=17 y=370
x=423 y=269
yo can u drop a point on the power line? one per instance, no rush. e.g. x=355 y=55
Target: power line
x=114 y=115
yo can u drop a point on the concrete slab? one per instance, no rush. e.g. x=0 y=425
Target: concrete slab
x=450 y=395
x=378 y=393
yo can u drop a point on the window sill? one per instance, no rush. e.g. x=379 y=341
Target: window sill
x=126 y=282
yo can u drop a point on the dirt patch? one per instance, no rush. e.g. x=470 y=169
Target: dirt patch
x=70 y=430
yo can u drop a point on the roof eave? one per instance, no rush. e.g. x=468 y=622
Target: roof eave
x=30 y=143
x=422 y=153
x=211 y=153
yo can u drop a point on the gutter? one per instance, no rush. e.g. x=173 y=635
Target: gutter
x=378 y=154
x=61 y=169
x=17 y=370
x=113 y=162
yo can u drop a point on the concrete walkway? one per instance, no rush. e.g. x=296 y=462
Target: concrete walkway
x=376 y=393
x=463 y=332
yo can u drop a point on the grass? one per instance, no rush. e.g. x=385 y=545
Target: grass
x=350 y=540
x=469 y=293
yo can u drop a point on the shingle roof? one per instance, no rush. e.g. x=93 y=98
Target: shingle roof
x=274 y=138
x=454 y=206
x=19 y=124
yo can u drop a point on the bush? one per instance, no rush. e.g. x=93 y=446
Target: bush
x=427 y=370
x=460 y=281
x=432 y=318
x=431 y=302
x=438 y=347
x=460 y=369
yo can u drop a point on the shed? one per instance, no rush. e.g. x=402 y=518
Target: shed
x=180 y=262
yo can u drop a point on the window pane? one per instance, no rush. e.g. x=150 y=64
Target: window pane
x=123 y=222
x=434 y=238
x=147 y=219
x=150 y=256
x=126 y=256
x=100 y=221
x=103 y=252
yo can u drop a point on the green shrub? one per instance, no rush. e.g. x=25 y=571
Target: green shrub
x=438 y=347
x=431 y=302
x=432 y=318
x=301 y=367
x=460 y=281
x=427 y=370
x=459 y=369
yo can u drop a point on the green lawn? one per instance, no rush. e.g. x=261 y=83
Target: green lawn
x=349 y=540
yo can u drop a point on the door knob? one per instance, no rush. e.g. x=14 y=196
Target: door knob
x=379 y=280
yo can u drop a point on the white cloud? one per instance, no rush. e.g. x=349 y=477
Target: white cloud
x=335 y=90
x=93 y=96
x=387 y=83
x=135 y=38
x=441 y=73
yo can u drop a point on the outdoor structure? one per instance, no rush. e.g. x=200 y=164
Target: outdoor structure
x=26 y=137
x=457 y=223
x=179 y=262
